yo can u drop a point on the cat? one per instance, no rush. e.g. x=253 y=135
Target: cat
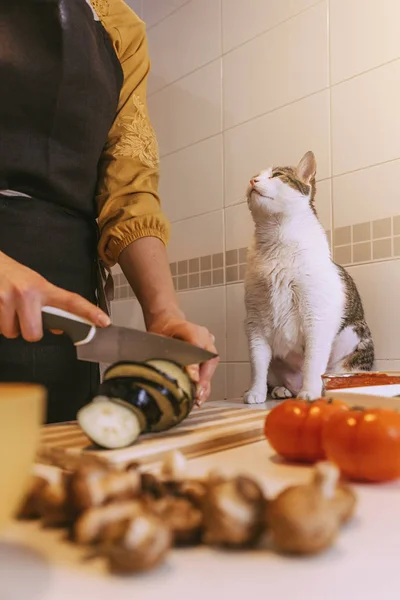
x=304 y=313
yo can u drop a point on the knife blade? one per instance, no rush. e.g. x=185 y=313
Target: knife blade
x=113 y=344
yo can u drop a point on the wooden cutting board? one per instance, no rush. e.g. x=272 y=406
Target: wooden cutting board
x=213 y=428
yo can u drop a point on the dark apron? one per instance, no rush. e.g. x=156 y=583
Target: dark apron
x=60 y=84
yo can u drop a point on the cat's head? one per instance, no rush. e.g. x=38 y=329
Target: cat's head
x=283 y=190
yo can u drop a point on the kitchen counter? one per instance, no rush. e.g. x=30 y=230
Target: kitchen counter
x=37 y=564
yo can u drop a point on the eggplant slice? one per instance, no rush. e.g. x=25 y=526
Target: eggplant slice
x=109 y=424
x=137 y=398
x=175 y=374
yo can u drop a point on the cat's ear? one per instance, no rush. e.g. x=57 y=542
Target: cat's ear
x=307 y=168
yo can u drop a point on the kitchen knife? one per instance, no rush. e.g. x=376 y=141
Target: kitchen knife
x=113 y=344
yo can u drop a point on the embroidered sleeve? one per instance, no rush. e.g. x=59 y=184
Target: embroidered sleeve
x=127 y=195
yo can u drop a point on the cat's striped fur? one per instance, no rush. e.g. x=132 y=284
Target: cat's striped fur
x=304 y=313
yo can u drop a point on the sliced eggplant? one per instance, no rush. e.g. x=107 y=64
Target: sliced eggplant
x=109 y=424
x=176 y=374
x=133 y=396
x=143 y=372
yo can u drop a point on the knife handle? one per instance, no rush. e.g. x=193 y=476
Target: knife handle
x=79 y=330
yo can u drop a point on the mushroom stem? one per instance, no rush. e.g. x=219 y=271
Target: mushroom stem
x=326 y=478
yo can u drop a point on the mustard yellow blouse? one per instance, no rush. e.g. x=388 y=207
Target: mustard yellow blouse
x=127 y=194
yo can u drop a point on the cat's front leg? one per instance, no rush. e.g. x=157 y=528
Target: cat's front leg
x=318 y=344
x=260 y=358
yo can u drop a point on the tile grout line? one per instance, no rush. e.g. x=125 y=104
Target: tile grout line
x=175 y=10
x=231 y=50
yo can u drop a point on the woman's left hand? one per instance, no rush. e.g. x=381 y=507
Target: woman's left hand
x=178 y=327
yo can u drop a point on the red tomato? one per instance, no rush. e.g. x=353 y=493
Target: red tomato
x=294 y=427
x=364 y=444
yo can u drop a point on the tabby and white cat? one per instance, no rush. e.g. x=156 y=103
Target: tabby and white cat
x=304 y=313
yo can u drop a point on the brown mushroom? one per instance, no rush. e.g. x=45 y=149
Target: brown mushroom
x=29 y=508
x=233 y=512
x=184 y=519
x=306 y=519
x=94 y=485
x=144 y=545
x=52 y=505
x=103 y=523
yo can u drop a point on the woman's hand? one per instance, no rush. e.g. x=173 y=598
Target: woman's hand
x=174 y=325
x=24 y=292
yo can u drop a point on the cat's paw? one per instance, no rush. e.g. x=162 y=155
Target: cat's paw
x=309 y=394
x=281 y=393
x=254 y=397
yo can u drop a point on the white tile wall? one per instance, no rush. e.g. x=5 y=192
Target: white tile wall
x=155 y=11
x=198 y=24
x=198 y=236
x=189 y=110
x=136 y=6
x=245 y=20
x=192 y=180
x=280 y=137
x=365 y=119
x=269 y=71
x=364 y=35
x=237 y=86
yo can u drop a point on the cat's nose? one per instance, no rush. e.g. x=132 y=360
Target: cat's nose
x=254 y=181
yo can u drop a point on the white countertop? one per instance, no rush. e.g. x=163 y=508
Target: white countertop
x=37 y=564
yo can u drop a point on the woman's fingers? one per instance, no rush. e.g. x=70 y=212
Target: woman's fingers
x=9 y=325
x=29 y=309
x=77 y=305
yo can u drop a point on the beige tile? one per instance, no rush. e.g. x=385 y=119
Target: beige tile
x=364 y=35
x=189 y=110
x=205 y=279
x=293 y=70
x=128 y=313
x=361 y=232
x=218 y=261
x=208 y=308
x=396 y=225
x=205 y=263
x=342 y=255
x=242 y=272
x=136 y=6
x=342 y=236
x=117 y=294
x=362 y=252
x=242 y=255
x=218 y=277
x=195 y=237
x=237 y=349
x=380 y=292
x=194 y=280
x=294 y=129
x=194 y=265
x=358 y=140
x=187 y=178
x=178 y=45
x=173 y=268
x=232 y=274
x=239 y=227
x=156 y=10
x=218 y=383
x=382 y=228
x=124 y=291
x=323 y=203
x=231 y=257
x=244 y=20
x=183 y=282
x=387 y=365
x=238 y=376
x=367 y=195
x=396 y=246
x=381 y=249
x=182 y=267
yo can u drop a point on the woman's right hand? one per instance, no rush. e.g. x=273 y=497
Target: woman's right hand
x=24 y=292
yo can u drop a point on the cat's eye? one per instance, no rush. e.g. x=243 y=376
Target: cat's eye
x=276 y=174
